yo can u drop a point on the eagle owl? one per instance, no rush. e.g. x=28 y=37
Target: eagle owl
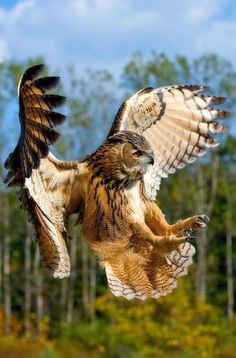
x=155 y=132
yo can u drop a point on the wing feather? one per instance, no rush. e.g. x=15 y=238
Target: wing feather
x=178 y=123
x=47 y=199
x=37 y=121
x=162 y=271
x=46 y=183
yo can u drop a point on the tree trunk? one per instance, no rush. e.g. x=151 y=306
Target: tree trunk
x=27 y=264
x=92 y=285
x=63 y=299
x=85 y=276
x=204 y=206
x=229 y=258
x=38 y=289
x=73 y=252
x=6 y=268
x=201 y=243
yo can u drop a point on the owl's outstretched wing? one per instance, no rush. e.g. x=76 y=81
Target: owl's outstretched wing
x=177 y=121
x=46 y=183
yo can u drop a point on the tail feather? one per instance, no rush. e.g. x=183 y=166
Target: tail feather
x=161 y=272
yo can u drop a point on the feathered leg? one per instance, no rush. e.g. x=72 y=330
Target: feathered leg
x=163 y=243
x=155 y=220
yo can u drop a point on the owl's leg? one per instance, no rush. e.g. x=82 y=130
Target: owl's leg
x=163 y=243
x=169 y=236
x=156 y=221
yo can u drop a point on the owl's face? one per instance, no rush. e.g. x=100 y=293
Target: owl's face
x=137 y=158
x=122 y=158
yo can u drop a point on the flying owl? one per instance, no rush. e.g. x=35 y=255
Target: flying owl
x=113 y=190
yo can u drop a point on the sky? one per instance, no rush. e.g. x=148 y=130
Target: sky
x=103 y=34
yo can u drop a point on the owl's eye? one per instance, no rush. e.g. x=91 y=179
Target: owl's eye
x=136 y=153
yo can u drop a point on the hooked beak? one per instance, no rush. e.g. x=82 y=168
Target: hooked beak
x=147 y=158
x=150 y=158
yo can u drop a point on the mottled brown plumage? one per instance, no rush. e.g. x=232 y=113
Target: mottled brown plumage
x=113 y=189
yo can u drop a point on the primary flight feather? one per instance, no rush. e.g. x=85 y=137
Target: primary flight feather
x=155 y=132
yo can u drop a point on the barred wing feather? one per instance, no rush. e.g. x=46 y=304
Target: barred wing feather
x=177 y=121
x=46 y=183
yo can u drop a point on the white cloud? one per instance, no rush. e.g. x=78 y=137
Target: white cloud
x=104 y=34
x=204 y=11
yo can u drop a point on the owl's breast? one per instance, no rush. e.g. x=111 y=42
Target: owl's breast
x=107 y=214
x=135 y=201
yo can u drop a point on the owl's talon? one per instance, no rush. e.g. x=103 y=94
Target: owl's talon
x=189 y=238
x=198 y=222
x=187 y=233
x=204 y=218
x=202 y=221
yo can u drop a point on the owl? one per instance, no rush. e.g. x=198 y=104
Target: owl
x=113 y=190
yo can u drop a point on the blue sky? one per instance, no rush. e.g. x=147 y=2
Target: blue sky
x=104 y=33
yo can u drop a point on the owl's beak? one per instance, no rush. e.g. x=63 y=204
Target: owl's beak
x=151 y=158
x=147 y=158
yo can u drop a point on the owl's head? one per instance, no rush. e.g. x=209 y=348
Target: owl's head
x=136 y=153
x=123 y=157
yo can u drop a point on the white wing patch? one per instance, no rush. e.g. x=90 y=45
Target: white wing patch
x=50 y=227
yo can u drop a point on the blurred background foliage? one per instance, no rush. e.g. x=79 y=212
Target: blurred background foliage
x=78 y=317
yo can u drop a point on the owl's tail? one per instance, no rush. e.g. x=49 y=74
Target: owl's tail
x=152 y=277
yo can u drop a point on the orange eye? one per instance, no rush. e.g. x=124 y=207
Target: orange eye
x=137 y=153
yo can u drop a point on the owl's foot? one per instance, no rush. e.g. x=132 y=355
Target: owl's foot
x=192 y=223
x=198 y=222
x=195 y=222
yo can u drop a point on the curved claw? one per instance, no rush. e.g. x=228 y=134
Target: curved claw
x=204 y=218
x=202 y=221
x=187 y=233
x=189 y=238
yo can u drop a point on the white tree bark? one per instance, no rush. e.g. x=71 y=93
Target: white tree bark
x=71 y=288
x=27 y=282
x=38 y=282
x=204 y=206
x=229 y=257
